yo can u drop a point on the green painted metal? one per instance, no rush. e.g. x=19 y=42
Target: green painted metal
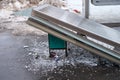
x=56 y=43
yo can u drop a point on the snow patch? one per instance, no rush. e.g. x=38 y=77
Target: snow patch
x=5 y=13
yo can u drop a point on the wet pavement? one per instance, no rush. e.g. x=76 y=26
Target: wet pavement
x=12 y=59
x=14 y=63
x=82 y=72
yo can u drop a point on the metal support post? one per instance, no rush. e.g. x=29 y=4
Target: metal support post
x=85 y=8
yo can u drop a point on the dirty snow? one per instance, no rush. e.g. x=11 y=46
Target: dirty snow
x=18 y=25
x=40 y=61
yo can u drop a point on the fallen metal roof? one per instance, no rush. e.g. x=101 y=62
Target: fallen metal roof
x=44 y=18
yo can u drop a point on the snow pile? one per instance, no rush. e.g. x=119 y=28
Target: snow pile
x=13 y=5
x=21 y=4
x=5 y=13
x=57 y=3
x=18 y=25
